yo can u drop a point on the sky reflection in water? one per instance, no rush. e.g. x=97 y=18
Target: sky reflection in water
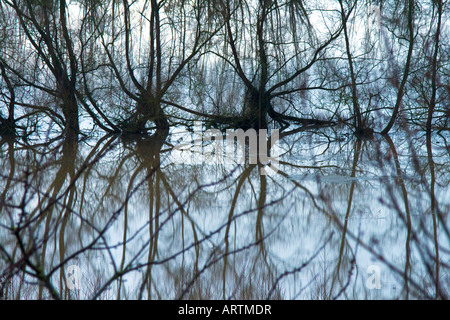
x=136 y=224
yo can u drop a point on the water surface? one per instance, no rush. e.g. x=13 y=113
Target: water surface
x=112 y=218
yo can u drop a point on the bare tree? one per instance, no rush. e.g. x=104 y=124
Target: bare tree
x=46 y=30
x=401 y=88
x=438 y=4
x=269 y=57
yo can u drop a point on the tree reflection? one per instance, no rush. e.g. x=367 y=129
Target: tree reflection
x=137 y=225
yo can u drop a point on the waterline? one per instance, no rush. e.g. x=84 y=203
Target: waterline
x=238 y=147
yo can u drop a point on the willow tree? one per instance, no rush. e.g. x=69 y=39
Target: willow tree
x=362 y=129
x=47 y=65
x=271 y=47
x=438 y=5
x=409 y=15
x=148 y=46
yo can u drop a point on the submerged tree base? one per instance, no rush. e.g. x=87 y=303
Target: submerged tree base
x=364 y=133
x=180 y=221
x=7 y=128
x=251 y=122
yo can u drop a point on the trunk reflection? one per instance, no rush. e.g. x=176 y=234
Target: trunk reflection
x=138 y=226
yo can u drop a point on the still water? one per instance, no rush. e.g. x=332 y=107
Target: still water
x=117 y=217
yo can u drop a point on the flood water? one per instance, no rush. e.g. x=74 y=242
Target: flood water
x=124 y=218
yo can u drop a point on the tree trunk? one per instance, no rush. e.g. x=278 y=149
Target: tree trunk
x=434 y=67
x=70 y=111
x=7 y=126
x=407 y=67
x=356 y=109
x=258 y=106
